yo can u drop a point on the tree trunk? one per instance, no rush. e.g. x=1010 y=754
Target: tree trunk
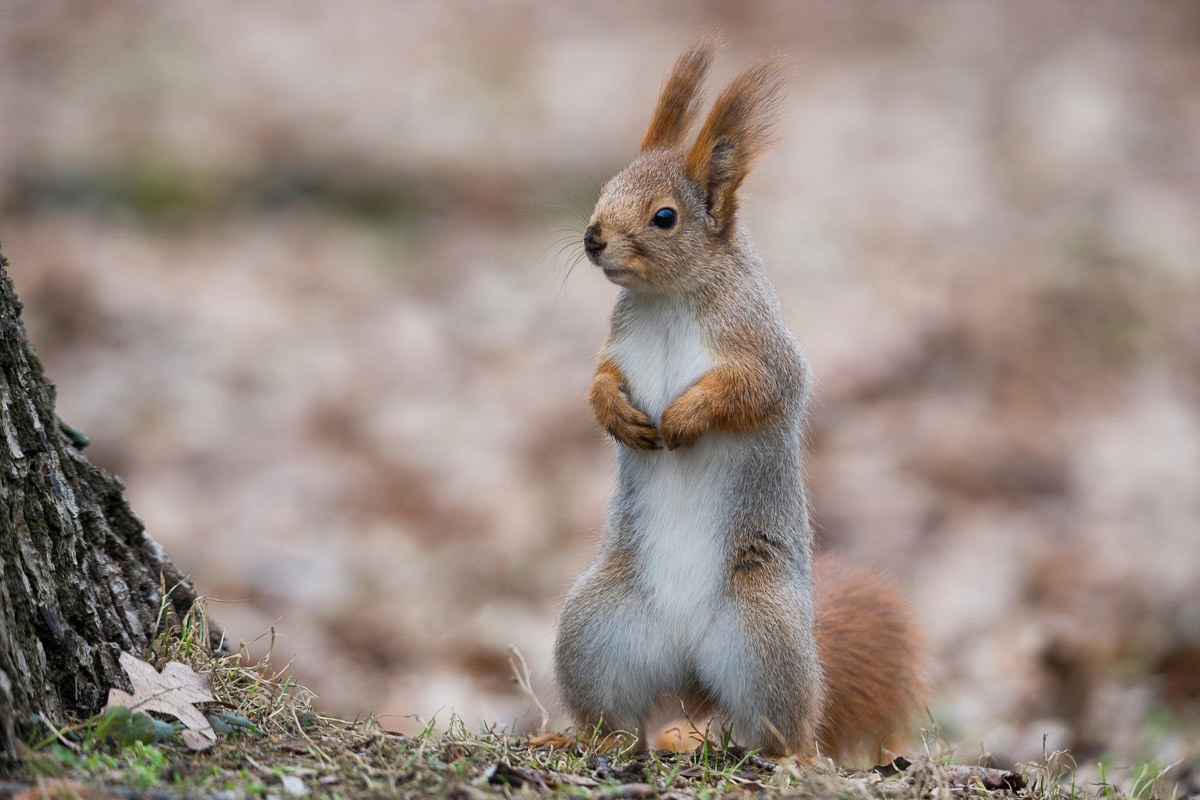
x=80 y=579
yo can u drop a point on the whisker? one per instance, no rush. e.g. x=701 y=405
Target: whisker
x=551 y=227
x=575 y=261
x=582 y=258
x=584 y=215
x=565 y=248
x=561 y=243
x=570 y=208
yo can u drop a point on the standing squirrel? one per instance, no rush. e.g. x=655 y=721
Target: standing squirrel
x=705 y=590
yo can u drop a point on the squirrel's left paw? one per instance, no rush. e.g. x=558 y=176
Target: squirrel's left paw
x=685 y=420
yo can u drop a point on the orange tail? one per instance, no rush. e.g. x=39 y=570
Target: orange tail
x=873 y=655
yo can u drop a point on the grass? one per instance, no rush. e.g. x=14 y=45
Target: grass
x=285 y=749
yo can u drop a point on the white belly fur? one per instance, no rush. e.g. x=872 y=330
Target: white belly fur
x=679 y=528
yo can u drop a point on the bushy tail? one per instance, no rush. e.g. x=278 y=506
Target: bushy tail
x=873 y=656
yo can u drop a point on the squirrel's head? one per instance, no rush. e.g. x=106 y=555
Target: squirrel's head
x=669 y=216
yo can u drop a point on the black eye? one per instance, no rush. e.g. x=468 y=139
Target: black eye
x=664 y=218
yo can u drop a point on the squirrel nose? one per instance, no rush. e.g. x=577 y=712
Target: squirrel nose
x=592 y=241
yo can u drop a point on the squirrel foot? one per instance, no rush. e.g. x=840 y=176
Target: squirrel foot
x=552 y=741
x=611 y=742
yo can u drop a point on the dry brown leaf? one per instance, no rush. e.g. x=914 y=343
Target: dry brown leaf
x=174 y=691
x=198 y=741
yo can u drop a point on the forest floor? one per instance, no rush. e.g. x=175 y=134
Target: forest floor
x=335 y=760
x=278 y=747
x=324 y=758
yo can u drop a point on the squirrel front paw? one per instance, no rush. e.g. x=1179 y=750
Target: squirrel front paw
x=631 y=427
x=626 y=424
x=686 y=419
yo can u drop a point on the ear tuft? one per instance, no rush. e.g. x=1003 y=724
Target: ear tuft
x=737 y=131
x=679 y=100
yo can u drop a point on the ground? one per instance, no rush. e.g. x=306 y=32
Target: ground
x=278 y=747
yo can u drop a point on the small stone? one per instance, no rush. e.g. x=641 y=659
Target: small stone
x=293 y=786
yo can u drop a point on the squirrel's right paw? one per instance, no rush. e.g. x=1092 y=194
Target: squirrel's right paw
x=609 y=398
x=632 y=428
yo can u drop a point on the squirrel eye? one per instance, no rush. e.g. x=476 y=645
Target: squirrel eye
x=664 y=218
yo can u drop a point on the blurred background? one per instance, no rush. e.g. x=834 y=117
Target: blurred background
x=300 y=271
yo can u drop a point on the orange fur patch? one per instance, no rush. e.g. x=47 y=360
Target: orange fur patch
x=735 y=399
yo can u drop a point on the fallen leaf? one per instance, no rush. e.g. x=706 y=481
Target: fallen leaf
x=174 y=691
x=897 y=766
x=196 y=741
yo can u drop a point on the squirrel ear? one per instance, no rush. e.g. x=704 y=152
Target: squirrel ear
x=739 y=128
x=679 y=101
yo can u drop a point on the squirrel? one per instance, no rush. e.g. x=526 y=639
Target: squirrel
x=705 y=590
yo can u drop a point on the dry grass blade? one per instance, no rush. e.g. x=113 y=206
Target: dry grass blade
x=520 y=671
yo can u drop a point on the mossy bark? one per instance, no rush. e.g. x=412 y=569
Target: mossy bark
x=80 y=579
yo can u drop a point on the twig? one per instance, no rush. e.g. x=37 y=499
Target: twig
x=521 y=677
x=785 y=747
x=58 y=734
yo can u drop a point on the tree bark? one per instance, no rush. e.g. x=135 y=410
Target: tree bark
x=80 y=578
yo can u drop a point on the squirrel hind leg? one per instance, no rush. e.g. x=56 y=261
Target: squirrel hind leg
x=874 y=660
